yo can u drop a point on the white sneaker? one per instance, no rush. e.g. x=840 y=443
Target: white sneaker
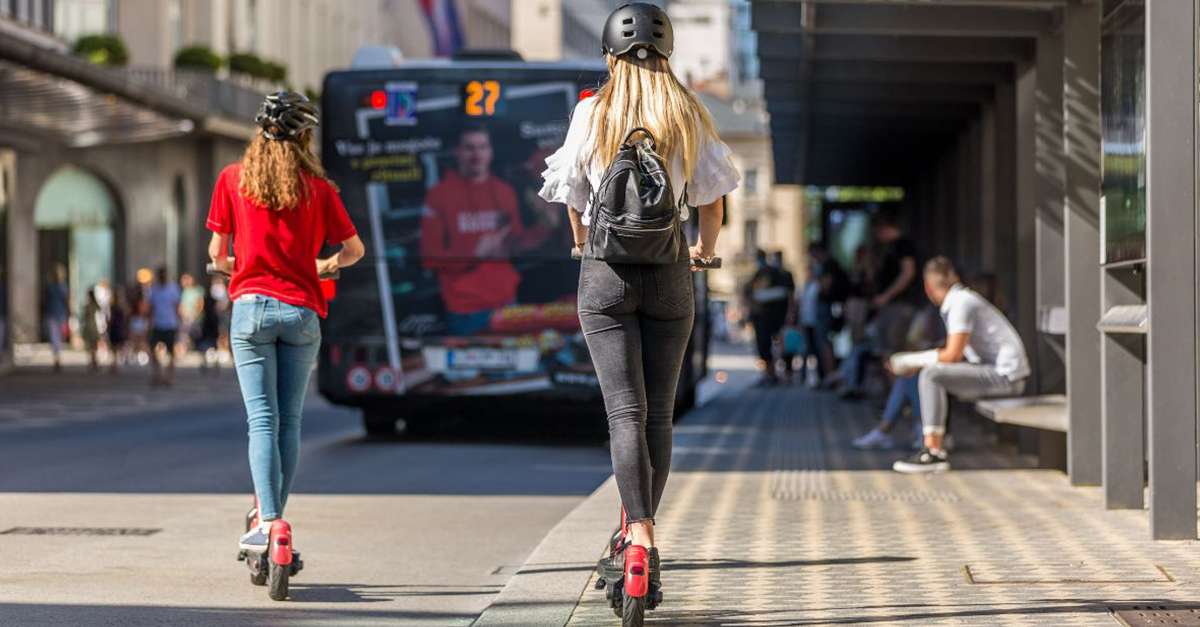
x=875 y=439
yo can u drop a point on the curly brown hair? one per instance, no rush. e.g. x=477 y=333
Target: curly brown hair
x=272 y=171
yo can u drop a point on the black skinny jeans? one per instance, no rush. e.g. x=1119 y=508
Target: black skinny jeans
x=637 y=320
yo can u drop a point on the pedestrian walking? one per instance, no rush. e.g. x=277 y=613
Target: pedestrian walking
x=769 y=295
x=637 y=313
x=55 y=312
x=279 y=209
x=164 y=302
x=191 y=305
x=208 y=332
x=139 y=324
x=117 y=328
x=89 y=328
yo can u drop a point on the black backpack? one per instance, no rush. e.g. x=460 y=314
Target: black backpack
x=635 y=217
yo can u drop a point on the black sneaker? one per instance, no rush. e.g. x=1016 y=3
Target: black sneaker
x=924 y=461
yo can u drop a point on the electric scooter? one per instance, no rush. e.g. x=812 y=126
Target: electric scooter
x=278 y=564
x=630 y=592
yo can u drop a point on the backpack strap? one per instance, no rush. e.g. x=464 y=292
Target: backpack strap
x=640 y=129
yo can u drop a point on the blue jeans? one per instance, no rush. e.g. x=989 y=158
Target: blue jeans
x=275 y=347
x=904 y=392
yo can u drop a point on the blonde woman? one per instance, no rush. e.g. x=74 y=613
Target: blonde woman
x=637 y=318
x=279 y=209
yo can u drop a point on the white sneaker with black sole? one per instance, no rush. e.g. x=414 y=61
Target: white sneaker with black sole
x=924 y=461
x=257 y=539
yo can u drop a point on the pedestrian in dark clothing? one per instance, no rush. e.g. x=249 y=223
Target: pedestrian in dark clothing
x=768 y=294
x=55 y=311
x=118 y=327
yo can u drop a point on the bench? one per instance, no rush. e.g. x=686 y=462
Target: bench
x=1046 y=414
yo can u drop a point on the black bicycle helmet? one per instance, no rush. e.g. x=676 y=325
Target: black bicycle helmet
x=638 y=27
x=286 y=114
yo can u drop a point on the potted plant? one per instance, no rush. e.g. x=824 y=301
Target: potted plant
x=102 y=49
x=198 y=58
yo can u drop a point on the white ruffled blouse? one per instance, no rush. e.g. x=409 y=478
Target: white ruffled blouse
x=570 y=176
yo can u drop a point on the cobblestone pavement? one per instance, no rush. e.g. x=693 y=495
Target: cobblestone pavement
x=772 y=519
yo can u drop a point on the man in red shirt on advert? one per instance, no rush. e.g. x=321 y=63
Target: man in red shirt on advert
x=470 y=227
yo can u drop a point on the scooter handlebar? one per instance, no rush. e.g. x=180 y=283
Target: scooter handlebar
x=211 y=268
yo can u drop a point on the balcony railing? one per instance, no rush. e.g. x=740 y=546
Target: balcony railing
x=222 y=97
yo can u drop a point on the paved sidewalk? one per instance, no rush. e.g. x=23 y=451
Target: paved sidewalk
x=772 y=519
x=32 y=395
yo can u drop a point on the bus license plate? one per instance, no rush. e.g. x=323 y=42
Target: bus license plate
x=484 y=358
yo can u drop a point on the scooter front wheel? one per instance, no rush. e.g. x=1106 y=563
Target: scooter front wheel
x=277 y=581
x=633 y=611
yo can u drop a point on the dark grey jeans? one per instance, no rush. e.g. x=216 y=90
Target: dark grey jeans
x=637 y=320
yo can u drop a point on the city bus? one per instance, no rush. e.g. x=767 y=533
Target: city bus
x=464 y=308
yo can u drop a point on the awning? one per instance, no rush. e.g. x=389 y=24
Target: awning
x=46 y=94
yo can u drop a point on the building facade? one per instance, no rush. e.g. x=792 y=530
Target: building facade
x=107 y=171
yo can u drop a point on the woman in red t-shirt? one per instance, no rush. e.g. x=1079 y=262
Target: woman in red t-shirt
x=278 y=208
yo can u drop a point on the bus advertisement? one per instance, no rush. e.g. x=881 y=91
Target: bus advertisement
x=467 y=289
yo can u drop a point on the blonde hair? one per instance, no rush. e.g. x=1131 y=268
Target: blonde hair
x=941 y=269
x=272 y=171
x=644 y=92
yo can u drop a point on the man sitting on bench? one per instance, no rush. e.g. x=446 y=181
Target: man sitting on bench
x=995 y=361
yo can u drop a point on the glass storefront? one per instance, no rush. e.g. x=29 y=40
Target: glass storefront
x=1123 y=89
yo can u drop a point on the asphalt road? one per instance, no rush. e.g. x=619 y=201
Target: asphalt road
x=392 y=532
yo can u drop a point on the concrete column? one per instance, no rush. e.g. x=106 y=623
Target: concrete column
x=1081 y=149
x=987 y=189
x=1123 y=358
x=1171 y=266
x=1004 y=229
x=1024 y=307
x=1048 y=219
x=969 y=228
x=1049 y=170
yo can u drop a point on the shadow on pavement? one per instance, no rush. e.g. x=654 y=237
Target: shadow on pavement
x=915 y=614
x=377 y=593
x=36 y=615
x=720 y=564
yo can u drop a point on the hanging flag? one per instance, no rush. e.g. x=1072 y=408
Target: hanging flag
x=442 y=18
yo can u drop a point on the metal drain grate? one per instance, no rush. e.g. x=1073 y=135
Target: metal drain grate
x=1155 y=615
x=78 y=531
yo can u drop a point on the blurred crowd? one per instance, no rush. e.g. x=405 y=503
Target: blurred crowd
x=836 y=330
x=153 y=321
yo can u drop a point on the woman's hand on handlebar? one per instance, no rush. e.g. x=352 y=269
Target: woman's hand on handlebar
x=223 y=265
x=697 y=253
x=328 y=266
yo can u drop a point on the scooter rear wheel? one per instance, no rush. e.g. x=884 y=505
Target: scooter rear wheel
x=633 y=611
x=278 y=581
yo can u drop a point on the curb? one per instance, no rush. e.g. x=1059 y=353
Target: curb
x=549 y=584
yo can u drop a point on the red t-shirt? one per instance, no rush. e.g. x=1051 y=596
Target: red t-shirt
x=275 y=251
x=460 y=212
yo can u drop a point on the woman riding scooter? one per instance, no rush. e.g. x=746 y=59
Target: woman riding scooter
x=279 y=209
x=637 y=317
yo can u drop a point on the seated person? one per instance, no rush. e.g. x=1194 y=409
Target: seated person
x=983 y=357
x=925 y=332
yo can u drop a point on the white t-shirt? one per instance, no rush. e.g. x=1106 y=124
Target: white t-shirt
x=993 y=340
x=570 y=175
